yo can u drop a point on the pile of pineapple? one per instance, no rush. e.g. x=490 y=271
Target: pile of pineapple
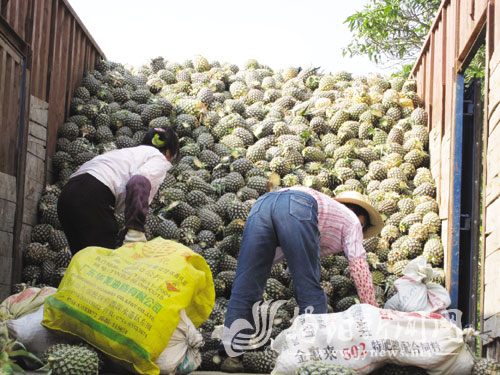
x=242 y=132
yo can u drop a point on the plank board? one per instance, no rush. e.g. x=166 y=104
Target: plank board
x=10 y=106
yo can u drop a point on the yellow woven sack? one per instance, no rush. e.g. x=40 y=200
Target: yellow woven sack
x=126 y=302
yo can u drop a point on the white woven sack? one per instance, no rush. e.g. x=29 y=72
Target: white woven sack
x=416 y=291
x=182 y=354
x=365 y=337
x=35 y=337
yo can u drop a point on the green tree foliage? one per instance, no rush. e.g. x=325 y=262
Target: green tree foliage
x=476 y=68
x=403 y=71
x=391 y=30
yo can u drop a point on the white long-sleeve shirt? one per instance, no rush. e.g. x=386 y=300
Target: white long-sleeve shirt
x=115 y=168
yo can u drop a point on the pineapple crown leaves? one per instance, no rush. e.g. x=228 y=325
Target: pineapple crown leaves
x=219 y=189
x=294 y=167
x=312 y=82
x=381 y=150
x=12 y=349
x=305 y=136
x=171 y=206
x=236 y=154
x=305 y=111
x=392 y=195
x=188 y=237
x=225 y=162
x=161 y=215
x=198 y=163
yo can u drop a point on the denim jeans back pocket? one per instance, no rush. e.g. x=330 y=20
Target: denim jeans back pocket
x=256 y=206
x=300 y=208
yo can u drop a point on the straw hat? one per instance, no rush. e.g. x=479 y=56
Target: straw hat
x=376 y=222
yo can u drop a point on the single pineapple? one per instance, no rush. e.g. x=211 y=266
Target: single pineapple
x=72 y=360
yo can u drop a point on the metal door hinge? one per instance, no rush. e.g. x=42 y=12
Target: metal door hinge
x=465 y=222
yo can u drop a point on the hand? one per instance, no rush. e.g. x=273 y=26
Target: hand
x=134 y=236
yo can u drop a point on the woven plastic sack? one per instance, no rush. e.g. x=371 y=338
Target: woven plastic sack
x=24 y=303
x=182 y=354
x=35 y=337
x=365 y=338
x=416 y=291
x=126 y=302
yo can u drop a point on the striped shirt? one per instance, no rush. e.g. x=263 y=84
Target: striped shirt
x=339 y=228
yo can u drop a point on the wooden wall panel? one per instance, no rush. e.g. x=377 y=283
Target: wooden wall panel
x=495 y=35
x=429 y=64
x=420 y=78
x=59 y=76
x=437 y=78
x=16 y=13
x=11 y=70
x=48 y=38
x=449 y=113
x=473 y=19
x=453 y=34
x=466 y=23
x=61 y=51
x=41 y=42
x=480 y=5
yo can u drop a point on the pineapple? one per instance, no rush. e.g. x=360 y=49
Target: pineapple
x=280 y=165
x=426 y=189
x=398 y=267
x=237 y=210
x=313 y=154
x=243 y=131
x=434 y=251
x=261 y=362
x=211 y=360
x=36 y=253
x=201 y=64
x=72 y=360
x=346 y=302
x=227 y=263
x=433 y=221
x=411 y=247
x=390 y=233
x=370 y=244
x=483 y=366
x=275 y=290
x=378 y=277
x=419 y=232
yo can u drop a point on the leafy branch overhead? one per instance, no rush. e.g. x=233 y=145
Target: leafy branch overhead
x=391 y=30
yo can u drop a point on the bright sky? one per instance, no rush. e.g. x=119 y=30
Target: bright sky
x=278 y=33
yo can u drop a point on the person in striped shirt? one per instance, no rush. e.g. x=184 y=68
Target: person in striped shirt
x=301 y=225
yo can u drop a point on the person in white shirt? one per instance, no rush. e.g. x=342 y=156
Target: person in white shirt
x=123 y=180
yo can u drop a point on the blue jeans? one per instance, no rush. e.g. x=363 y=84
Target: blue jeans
x=288 y=219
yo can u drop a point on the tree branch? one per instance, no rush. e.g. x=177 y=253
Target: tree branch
x=390 y=29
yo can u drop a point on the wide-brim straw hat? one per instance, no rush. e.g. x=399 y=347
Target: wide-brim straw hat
x=376 y=221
